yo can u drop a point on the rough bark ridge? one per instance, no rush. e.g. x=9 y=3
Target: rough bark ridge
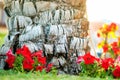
x=58 y=27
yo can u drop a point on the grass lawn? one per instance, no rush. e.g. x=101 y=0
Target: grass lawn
x=2 y=35
x=11 y=75
x=3 y=32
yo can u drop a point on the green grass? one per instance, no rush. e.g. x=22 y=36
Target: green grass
x=11 y=75
x=2 y=35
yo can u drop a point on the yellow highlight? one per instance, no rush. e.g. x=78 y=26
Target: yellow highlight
x=101 y=44
x=112 y=35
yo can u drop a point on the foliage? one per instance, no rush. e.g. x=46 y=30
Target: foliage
x=98 y=67
x=2 y=35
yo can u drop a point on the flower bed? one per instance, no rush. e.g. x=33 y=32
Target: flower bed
x=24 y=60
x=97 y=67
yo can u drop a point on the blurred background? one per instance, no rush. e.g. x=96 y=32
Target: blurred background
x=2 y=14
x=97 y=10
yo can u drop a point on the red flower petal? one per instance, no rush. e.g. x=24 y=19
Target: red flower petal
x=42 y=60
x=113 y=26
x=106 y=63
x=114 y=44
x=37 y=54
x=39 y=68
x=116 y=72
x=10 y=59
x=105 y=48
x=116 y=50
x=49 y=67
x=28 y=64
x=24 y=51
x=88 y=58
x=98 y=34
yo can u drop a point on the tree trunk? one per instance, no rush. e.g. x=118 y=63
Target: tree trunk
x=58 y=27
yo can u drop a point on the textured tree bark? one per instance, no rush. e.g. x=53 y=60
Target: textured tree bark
x=58 y=27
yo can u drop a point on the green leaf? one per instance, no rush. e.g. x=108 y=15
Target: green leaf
x=18 y=63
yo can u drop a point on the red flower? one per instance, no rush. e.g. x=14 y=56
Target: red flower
x=42 y=60
x=10 y=59
x=28 y=63
x=98 y=34
x=105 y=48
x=116 y=72
x=113 y=26
x=24 y=51
x=107 y=63
x=88 y=58
x=49 y=67
x=37 y=54
x=39 y=68
x=114 y=44
x=108 y=29
x=115 y=48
